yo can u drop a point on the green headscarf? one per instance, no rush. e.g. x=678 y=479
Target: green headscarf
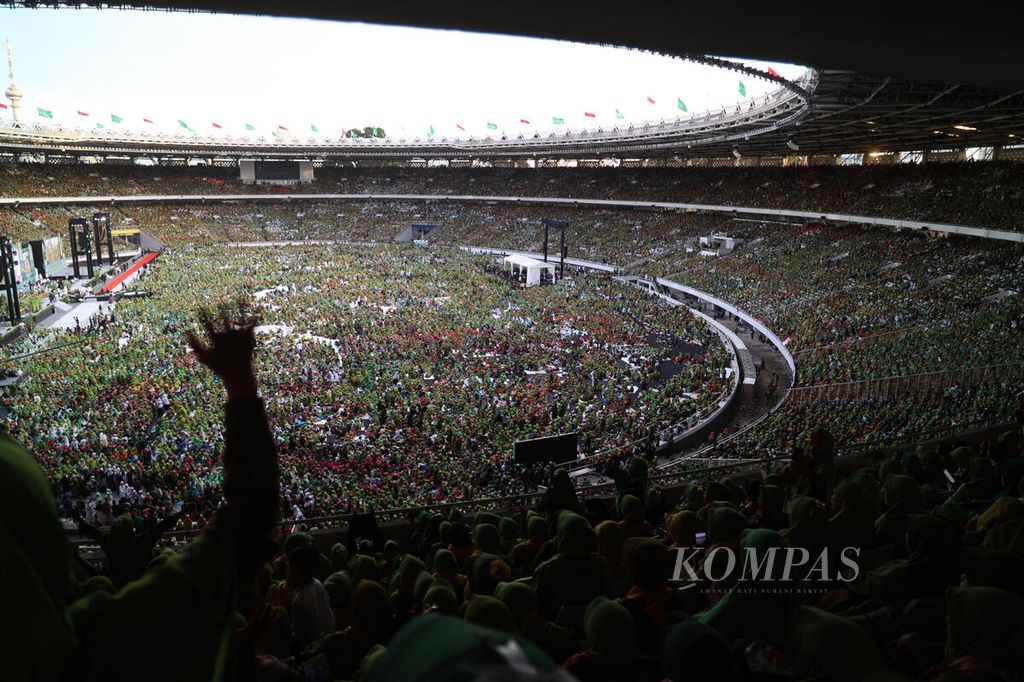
x=830 y=648
x=808 y=524
x=853 y=520
x=537 y=529
x=985 y=622
x=490 y=613
x=487 y=571
x=694 y=652
x=610 y=539
x=683 y=527
x=507 y=529
x=437 y=648
x=487 y=517
x=994 y=568
x=486 y=538
x=445 y=562
x=903 y=493
x=725 y=524
x=519 y=598
x=339 y=589
x=754 y=609
x=610 y=633
x=371 y=662
x=339 y=557
x=296 y=540
x=631 y=509
x=771 y=497
x=574 y=534
x=362 y=567
x=441 y=598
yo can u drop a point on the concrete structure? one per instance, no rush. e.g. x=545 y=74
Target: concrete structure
x=13 y=94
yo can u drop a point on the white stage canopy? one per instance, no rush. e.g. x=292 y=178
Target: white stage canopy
x=518 y=262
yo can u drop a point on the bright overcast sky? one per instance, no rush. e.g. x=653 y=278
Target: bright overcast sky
x=231 y=70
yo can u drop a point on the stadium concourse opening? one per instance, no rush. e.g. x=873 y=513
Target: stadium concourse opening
x=283 y=398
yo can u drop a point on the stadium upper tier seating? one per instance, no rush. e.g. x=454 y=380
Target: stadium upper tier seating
x=987 y=194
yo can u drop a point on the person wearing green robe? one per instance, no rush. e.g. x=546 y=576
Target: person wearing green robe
x=575 y=575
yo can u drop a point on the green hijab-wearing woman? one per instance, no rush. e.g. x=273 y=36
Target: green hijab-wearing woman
x=808 y=525
x=1003 y=525
x=830 y=648
x=610 y=645
x=853 y=521
x=754 y=608
x=902 y=496
x=932 y=563
x=490 y=612
x=985 y=622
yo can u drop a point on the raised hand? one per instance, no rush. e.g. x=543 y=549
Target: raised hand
x=228 y=350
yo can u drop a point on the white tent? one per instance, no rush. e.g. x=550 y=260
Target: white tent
x=517 y=263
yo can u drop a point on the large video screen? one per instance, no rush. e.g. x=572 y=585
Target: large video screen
x=53 y=256
x=277 y=170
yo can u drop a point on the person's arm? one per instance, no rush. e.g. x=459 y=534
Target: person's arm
x=187 y=604
x=250 y=460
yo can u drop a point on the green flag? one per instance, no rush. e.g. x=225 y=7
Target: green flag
x=618 y=115
x=182 y=124
x=557 y=121
x=430 y=133
x=314 y=128
x=249 y=126
x=99 y=125
x=492 y=126
x=114 y=118
x=743 y=89
x=682 y=105
x=43 y=113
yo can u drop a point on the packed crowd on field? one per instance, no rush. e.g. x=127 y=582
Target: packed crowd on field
x=984 y=194
x=395 y=376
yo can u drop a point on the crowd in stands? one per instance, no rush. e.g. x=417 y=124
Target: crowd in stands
x=852 y=304
x=906 y=567
x=979 y=194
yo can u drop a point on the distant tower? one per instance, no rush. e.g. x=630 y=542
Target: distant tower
x=12 y=92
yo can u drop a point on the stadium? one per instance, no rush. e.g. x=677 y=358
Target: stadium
x=453 y=392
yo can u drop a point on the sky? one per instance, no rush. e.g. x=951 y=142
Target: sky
x=231 y=70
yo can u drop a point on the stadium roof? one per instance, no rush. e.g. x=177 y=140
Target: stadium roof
x=836 y=108
x=940 y=41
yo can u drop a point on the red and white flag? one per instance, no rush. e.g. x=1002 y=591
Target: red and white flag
x=589 y=115
x=82 y=113
x=217 y=126
x=650 y=100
